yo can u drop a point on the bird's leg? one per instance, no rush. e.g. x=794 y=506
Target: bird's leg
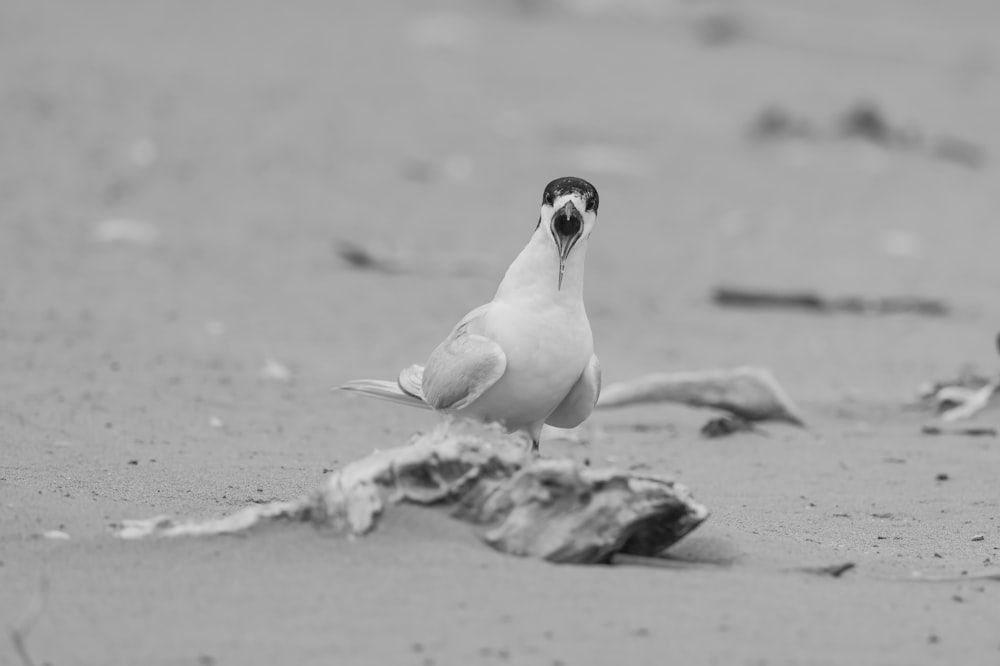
x=536 y=435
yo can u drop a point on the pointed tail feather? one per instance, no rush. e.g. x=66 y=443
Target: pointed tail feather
x=384 y=390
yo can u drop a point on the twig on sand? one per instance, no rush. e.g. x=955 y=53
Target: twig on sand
x=19 y=633
x=974 y=404
x=834 y=570
x=946 y=393
x=960 y=399
x=749 y=393
x=370 y=259
x=809 y=301
x=865 y=122
x=365 y=258
x=960 y=403
x=960 y=429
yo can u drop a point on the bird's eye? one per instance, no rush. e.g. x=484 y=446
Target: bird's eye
x=549 y=198
x=591 y=205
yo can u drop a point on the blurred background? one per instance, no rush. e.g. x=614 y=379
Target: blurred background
x=176 y=179
x=212 y=212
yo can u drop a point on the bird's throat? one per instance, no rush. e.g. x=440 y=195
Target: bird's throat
x=539 y=272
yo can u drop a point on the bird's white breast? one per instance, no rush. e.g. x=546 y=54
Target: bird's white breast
x=547 y=344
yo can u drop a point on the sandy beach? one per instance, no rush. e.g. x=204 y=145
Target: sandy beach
x=175 y=179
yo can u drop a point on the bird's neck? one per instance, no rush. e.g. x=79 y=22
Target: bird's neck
x=534 y=275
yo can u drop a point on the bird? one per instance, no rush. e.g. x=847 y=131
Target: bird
x=526 y=358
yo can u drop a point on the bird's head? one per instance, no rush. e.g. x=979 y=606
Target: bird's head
x=569 y=212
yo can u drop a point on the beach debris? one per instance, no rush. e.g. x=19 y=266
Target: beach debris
x=961 y=399
x=951 y=428
x=749 y=393
x=867 y=122
x=378 y=260
x=126 y=231
x=275 y=371
x=359 y=256
x=723 y=426
x=775 y=123
x=809 y=301
x=834 y=570
x=966 y=404
x=864 y=121
x=979 y=537
x=948 y=393
x=554 y=509
x=55 y=535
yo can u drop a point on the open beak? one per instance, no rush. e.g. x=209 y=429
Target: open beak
x=567 y=227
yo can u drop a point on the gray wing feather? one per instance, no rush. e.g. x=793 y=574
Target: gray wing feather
x=464 y=366
x=411 y=381
x=580 y=401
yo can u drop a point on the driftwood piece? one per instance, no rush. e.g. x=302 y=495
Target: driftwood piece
x=364 y=258
x=968 y=405
x=866 y=122
x=833 y=570
x=750 y=393
x=966 y=429
x=557 y=510
x=809 y=301
x=961 y=399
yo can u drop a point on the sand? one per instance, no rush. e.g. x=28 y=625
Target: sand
x=240 y=141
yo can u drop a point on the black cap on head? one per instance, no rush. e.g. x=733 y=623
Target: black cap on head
x=561 y=186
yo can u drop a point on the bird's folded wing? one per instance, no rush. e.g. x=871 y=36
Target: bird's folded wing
x=580 y=401
x=464 y=366
x=411 y=380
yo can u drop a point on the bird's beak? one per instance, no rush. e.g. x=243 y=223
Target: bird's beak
x=567 y=227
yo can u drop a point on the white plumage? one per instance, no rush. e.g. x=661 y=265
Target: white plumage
x=527 y=357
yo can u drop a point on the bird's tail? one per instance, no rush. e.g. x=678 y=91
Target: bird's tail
x=385 y=390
